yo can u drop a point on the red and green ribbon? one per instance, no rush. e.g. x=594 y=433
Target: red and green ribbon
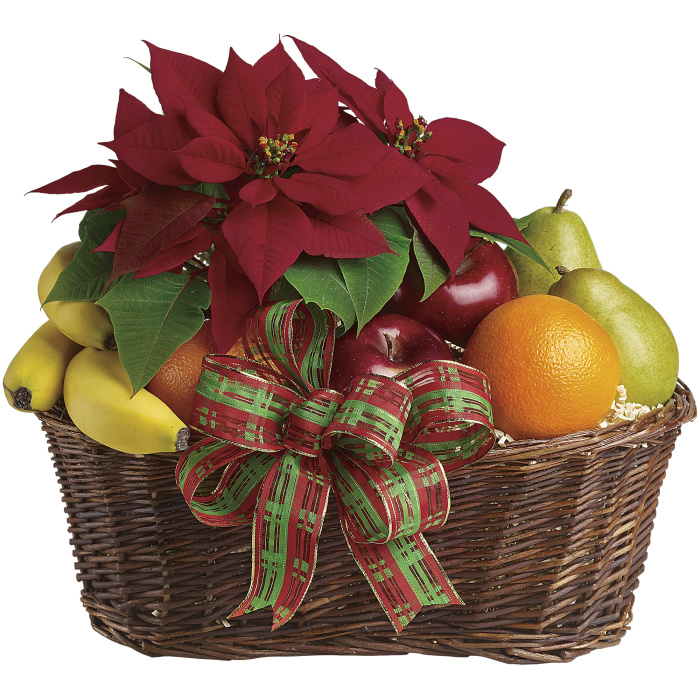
x=279 y=441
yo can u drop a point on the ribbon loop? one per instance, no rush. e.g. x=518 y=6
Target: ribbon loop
x=235 y=476
x=243 y=406
x=294 y=340
x=451 y=414
x=370 y=423
x=380 y=504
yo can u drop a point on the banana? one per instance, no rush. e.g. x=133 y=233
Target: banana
x=82 y=321
x=97 y=393
x=34 y=379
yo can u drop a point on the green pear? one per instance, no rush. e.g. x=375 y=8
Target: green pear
x=647 y=348
x=561 y=238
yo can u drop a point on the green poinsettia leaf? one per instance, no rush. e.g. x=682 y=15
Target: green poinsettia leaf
x=211 y=189
x=152 y=317
x=282 y=290
x=524 y=221
x=318 y=280
x=519 y=246
x=432 y=266
x=372 y=281
x=85 y=277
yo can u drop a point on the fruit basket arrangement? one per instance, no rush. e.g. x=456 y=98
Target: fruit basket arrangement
x=301 y=359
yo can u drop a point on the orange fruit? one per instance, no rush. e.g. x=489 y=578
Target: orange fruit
x=553 y=368
x=175 y=382
x=237 y=349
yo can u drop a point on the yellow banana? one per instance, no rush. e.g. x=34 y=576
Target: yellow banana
x=34 y=379
x=82 y=321
x=97 y=393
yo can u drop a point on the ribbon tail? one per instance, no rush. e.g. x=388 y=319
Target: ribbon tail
x=404 y=574
x=289 y=517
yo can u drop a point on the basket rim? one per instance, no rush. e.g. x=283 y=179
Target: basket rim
x=679 y=409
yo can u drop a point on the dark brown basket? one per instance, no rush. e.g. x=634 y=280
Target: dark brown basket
x=545 y=544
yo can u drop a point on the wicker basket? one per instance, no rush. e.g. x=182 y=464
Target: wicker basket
x=545 y=544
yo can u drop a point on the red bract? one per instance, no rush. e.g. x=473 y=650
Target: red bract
x=455 y=154
x=117 y=181
x=232 y=295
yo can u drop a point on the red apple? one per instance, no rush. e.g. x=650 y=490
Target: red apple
x=387 y=345
x=485 y=279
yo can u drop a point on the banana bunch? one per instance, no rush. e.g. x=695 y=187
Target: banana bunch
x=70 y=356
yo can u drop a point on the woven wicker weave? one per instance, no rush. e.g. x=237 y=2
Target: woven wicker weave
x=545 y=544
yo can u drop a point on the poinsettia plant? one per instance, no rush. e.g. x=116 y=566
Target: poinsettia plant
x=255 y=182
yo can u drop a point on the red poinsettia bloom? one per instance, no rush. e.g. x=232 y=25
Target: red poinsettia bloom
x=458 y=155
x=297 y=176
x=301 y=177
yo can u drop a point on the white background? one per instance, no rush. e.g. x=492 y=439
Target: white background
x=599 y=97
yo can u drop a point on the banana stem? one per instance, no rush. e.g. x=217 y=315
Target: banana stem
x=565 y=195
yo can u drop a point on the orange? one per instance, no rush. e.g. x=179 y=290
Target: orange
x=553 y=368
x=175 y=382
x=237 y=349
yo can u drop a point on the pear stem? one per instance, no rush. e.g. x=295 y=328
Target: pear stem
x=561 y=270
x=565 y=195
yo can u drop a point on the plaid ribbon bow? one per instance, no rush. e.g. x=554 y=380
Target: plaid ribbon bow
x=280 y=440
